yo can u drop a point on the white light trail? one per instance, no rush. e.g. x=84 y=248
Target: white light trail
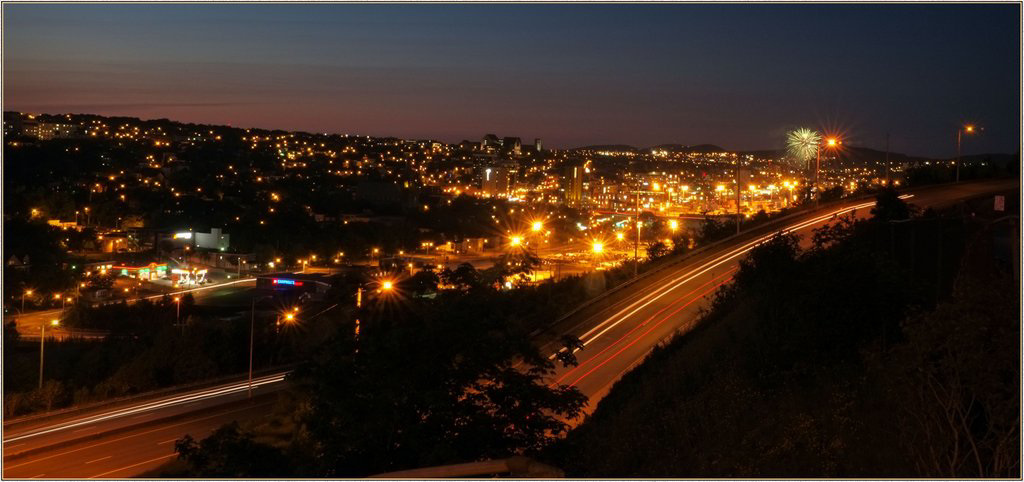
x=657 y=294
x=155 y=405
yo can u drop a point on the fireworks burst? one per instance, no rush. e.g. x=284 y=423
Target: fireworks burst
x=802 y=144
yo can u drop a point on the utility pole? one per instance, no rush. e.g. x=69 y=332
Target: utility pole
x=817 y=187
x=252 y=325
x=636 y=245
x=958 y=132
x=738 y=215
x=359 y=304
x=42 y=338
x=888 y=166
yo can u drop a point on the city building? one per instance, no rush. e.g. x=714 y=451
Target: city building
x=215 y=240
x=50 y=130
x=495 y=181
x=572 y=183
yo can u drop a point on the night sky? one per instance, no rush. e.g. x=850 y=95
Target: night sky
x=734 y=75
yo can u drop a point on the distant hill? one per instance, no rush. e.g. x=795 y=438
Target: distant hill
x=856 y=155
x=682 y=148
x=607 y=147
x=660 y=147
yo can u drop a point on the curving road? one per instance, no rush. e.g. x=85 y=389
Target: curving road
x=621 y=333
x=126 y=439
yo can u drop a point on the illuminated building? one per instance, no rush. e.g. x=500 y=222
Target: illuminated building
x=573 y=186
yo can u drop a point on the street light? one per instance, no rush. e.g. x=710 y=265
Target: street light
x=515 y=241
x=969 y=129
x=537 y=226
x=177 y=317
x=833 y=143
x=673 y=225
x=386 y=286
x=42 y=339
x=23 y=295
x=597 y=247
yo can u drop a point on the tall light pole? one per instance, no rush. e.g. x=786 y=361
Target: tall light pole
x=888 y=165
x=636 y=245
x=252 y=325
x=829 y=142
x=969 y=129
x=42 y=340
x=359 y=304
x=23 y=294
x=739 y=218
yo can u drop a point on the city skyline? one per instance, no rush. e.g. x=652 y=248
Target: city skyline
x=572 y=75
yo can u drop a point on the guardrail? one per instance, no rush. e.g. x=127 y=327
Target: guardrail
x=674 y=260
x=139 y=397
x=689 y=255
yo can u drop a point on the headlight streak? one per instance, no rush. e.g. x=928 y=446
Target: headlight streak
x=236 y=387
x=657 y=294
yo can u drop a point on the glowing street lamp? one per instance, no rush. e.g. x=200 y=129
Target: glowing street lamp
x=537 y=226
x=673 y=225
x=597 y=247
x=969 y=129
x=830 y=142
x=23 y=295
x=515 y=240
x=387 y=286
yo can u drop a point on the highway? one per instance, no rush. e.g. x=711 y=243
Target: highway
x=28 y=324
x=127 y=439
x=621 y=333
x=122 y=440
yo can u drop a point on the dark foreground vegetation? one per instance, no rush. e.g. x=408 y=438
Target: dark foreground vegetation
x=425 y=381
x=888 y=349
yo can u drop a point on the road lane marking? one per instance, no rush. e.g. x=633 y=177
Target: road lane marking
x=37 y=476
x=157 y=404
x=101 y=458
x=131 y=436
x=132 y=466
x=641 y=337
x=167 y=441
x=638 y=326
x=711 y=264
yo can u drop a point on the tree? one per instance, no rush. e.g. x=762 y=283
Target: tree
x=656 y=250
x=889 y=207
x=463 y=277
x=231 y=453
x=452 y=380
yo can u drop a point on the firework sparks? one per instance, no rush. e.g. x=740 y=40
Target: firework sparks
x=802 y=144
